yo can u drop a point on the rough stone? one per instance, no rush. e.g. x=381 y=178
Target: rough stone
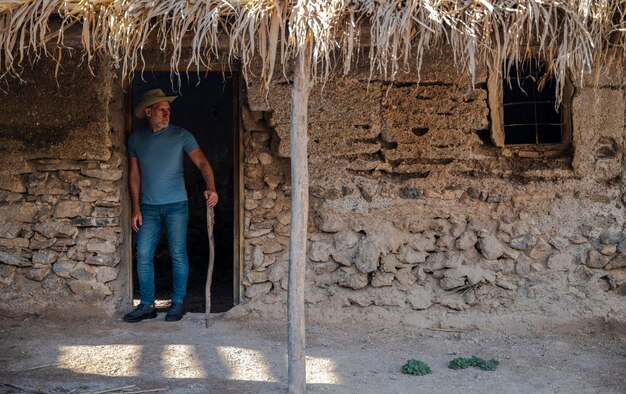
x=505 y=284
x=490 y=247
x=105 y=274
x=95 y=222
x=329 y=222
x=272 y=181
x=389 y=263
x=405 y=277
x=21 y=212
x=325 y=268
x=278 y=271
x=105 y=234
x=345 y=239
x=560 y=243
x=10 y=230
x=510 y=253
x=540 y=251
x=265 y=158
x=560 y=261
x=411 y=192
x=389 y=296
x=68 y=176
x=71 y=209
x=415 y=257
x=270 y=246
x=39 y=242
x=14 y=259
x=608 y=250
x=257 y=290
x=107 y=175
x=63 y=267
x=351 y=278
x=577 y=239
x=435 y=262
x=419 y=298
x=256 y=276
x=381 y=279
x=596 y=260
x=523 y=242
x=425 y=242
x=106 y=212
x=258 y=258
x=12 y=184
x=284 y=218
x=522 y=268
x=618 y=261
x=109 y=260
x=83 y=272
x=14 y=243
x=50 y=186
x=467 y=240
x=447 y=283
x=55 y=229
x=45 y=257
x=10 y=197
x=452 y=260
x=37 y=274
x=97 y=246
x=250 y=204
x=320 y=251
x=257 y=233
x=611 y=237
x=367 y=256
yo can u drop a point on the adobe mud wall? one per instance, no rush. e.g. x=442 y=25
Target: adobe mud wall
x=414 y=208
x=415 y=212
x=62 y=187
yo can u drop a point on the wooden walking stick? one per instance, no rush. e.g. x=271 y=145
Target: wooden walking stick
x=210 y=221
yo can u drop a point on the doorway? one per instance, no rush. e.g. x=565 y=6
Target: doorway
x=207 y=107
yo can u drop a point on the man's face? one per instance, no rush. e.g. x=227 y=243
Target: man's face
x=158 y=115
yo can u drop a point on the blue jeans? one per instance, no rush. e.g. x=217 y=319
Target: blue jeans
x=174 y=217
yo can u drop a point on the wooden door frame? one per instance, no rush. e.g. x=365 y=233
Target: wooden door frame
x=238 y=179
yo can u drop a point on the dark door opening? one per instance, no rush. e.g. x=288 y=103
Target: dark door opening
x=206 y=106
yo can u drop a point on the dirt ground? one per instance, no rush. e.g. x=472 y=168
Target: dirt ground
x=249 y=355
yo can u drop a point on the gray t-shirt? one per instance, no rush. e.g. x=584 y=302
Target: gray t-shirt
x=160 y=158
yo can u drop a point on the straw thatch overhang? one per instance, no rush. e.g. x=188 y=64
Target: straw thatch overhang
x=580 y=36
x=312 y=39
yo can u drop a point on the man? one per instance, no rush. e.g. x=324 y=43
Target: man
x=159 y=198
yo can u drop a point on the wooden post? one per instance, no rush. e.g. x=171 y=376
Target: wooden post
x=210 y=221
x=299 y=220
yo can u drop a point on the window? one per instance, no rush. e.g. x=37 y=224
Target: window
x=523 y=111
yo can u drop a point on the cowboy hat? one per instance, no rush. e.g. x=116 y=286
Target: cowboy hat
x=149 y=98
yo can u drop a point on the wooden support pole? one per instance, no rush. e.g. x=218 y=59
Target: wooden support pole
x=210 y=221
x=299 y=221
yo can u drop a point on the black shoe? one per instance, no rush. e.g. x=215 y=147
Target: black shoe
x=175 y=312
x=143 y=311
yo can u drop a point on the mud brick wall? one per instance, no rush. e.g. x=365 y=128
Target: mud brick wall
x=414 y=208
x=62 y=171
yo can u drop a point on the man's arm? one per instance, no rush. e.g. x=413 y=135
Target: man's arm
x=200 y=160
x=134 y=182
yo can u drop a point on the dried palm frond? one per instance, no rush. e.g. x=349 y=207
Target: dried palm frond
x=579 y=36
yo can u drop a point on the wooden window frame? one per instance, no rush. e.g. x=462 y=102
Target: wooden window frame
x=496 y=108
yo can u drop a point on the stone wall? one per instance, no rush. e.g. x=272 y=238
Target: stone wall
x=414 y=212
x=413 y=208
x=62 y=186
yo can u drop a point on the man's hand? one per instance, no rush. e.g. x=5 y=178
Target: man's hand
x=211 y=198
x=136 y=220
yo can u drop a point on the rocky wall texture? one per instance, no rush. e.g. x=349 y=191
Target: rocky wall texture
x=61 y=190
x=413 y=208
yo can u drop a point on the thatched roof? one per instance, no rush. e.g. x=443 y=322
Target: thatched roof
x=582 y=36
